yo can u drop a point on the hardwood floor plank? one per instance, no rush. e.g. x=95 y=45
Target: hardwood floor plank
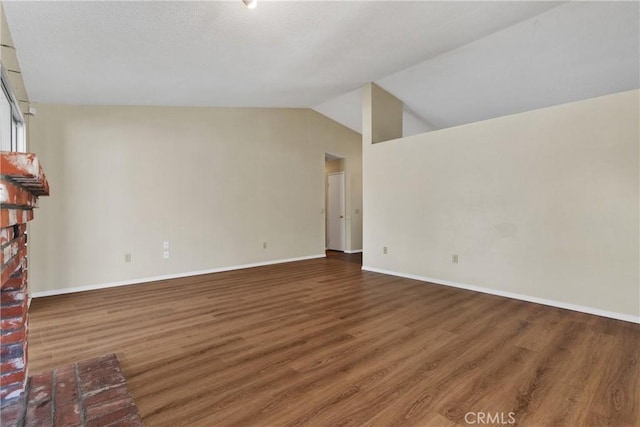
x=320 y=342
x=427 y=381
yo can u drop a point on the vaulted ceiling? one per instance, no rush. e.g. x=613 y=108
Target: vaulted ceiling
x=450 y=62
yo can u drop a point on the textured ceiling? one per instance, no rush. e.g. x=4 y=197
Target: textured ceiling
x=450 y=62
x=284 y=54
x=575 y=51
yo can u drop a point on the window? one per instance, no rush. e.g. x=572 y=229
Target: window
x=5 y=123
x=12 y=129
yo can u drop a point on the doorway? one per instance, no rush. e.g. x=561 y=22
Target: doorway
x=335 y=203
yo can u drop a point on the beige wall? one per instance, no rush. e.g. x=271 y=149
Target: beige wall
x=215 y=182
x=382 y=114
x=334 y=166
x=5 y=34
x=352 y=167
x=543 y=204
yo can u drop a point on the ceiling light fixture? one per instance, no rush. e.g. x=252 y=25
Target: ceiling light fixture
x=251 y=4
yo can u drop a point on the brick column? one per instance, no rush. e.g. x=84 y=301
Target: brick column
x=21 y=182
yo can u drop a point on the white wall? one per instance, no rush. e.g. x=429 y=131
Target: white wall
x=543 y=204
x=215 y=182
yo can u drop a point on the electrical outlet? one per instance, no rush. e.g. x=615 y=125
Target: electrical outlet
x=454 y=258
x=127 y=257
x=385 y=250
x=165 y=254
x=165 y=245
x=264 y=245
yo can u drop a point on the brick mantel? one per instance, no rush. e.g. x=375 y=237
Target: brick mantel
x=22 y=181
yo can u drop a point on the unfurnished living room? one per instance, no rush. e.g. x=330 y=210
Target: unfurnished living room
x=320 y=213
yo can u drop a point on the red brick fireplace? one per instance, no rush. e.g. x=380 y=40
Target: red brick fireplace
x=22 y=181
x=90 y=393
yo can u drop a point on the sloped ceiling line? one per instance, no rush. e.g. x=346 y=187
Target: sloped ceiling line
x=450 y=62
x=575 y=51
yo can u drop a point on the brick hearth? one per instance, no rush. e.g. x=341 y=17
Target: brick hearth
x=93 y=393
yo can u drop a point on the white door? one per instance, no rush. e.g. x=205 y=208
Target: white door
x=335 y=212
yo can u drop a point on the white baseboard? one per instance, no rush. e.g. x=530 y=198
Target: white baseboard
x=543 y=301
x=167 y=277
x=355 y=251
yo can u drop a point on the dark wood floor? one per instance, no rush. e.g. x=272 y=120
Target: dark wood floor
x=341 y=256
x=322 y=343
